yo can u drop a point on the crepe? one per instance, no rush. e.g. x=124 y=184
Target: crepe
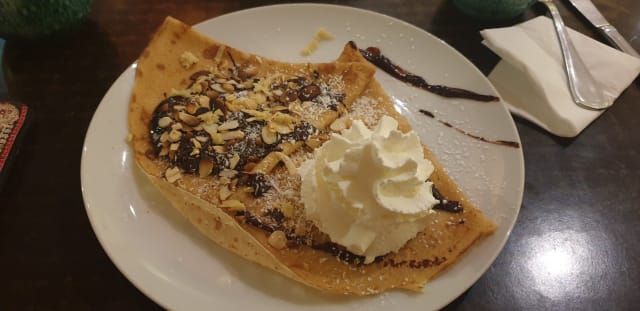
x=220 y=133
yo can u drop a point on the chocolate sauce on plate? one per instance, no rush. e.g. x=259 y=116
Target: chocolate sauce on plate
x=373 y=55
x=506 y=143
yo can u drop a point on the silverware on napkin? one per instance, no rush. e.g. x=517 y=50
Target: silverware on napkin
x=588 y=10
x=582 y=86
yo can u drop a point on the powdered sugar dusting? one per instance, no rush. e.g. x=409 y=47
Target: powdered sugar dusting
x=363 y=109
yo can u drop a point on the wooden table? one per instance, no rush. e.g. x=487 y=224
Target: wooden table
x=581 y=202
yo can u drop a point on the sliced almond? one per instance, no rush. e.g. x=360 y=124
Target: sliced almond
x=172 y=174
x=234 y=161
x=313 y=142
x=224 y=193
x=196 y=143
x=225 y=180
x=218 y=88
x=282 y=123
x=286 y=208
x=228 y=87
x=204 y=101
x=192 y=108
x=174 y=135
x=278 y=239
x=219 y=149
x=205 y=167
x=268 y=136
x=196 y=88
x=257 y=115
x=211 y=94
x=176 y=126
x=228 y=173
x=164 y=151
x=164 y=137
x=258 y=97
x=194 y=152
x=174 y=146
x=202 y=139
x=288 y=163
x=188 y=119
x=245 y=103
x=233 y=205
x=232 y=135
x=229 y=125
x=164 y=122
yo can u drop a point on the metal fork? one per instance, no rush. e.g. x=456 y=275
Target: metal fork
x=583 y=87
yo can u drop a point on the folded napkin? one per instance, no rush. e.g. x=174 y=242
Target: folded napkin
x=531 y=78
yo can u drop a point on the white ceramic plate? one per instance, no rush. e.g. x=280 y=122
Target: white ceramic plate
x=172 y=263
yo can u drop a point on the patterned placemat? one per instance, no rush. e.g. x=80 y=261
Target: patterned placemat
x=13 y=117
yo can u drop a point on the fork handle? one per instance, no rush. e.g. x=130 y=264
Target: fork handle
x=582 y=86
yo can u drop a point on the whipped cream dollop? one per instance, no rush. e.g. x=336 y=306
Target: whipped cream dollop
x=367 y=189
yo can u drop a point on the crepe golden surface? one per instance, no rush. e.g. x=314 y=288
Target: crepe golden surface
x=221 y=133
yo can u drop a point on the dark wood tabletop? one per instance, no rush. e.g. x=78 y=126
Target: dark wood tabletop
x=579 y=220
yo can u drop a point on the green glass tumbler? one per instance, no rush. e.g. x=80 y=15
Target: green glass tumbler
x=30 y=19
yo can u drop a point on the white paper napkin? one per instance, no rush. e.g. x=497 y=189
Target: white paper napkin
x=531 y=80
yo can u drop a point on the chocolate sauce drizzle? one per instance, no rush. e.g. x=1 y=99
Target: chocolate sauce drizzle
x=444 y=204
x=506 y=143
x=373 y=55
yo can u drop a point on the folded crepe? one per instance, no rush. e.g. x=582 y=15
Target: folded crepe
x=221 y=132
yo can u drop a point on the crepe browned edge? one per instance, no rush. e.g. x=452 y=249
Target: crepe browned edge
x=437 y=247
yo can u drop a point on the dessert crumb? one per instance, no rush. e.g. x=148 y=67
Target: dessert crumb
x=321 y=35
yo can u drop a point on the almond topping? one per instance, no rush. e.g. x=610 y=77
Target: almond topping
x=233 y=205
x=218 y=88
x=224 y=193
x=164 y=137
x=278 y=239
x=174 y=135
x=268 y=136
x=228 y=87
x=244 y=103
x=202 y=139
x=229 y=125
x=259 y=98
x=187 y=60
x=288 y=163
x=286 y=208
x=205 y=167
x=282 y=123
x=164 y=122
x=234 y=161
x=172 y=174
x=192 y=108
x=188 y=119
x=164 y=151
x=228 y=173
x=204 y=101
x=313 y=142
x=196 y=143
x=257 y=115
x=232 y=135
